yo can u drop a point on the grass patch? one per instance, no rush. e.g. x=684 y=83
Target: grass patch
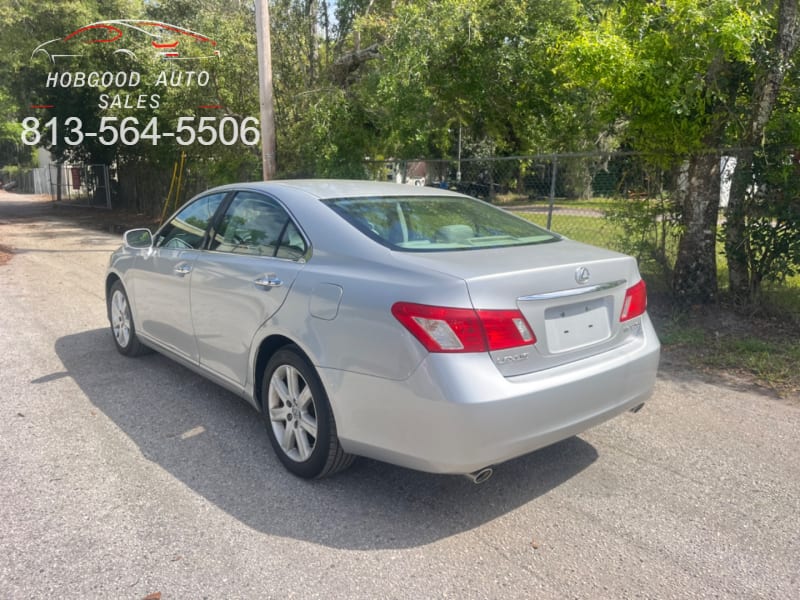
x=678 y=336
x=595 y=204
x=784 y=298
x=588 y=229
x=760 y=350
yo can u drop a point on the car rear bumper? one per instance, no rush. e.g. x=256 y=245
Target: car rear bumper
x=457 y=413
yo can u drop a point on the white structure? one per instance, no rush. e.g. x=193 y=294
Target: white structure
x=727 y=165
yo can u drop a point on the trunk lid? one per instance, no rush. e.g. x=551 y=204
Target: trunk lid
x=571 y=294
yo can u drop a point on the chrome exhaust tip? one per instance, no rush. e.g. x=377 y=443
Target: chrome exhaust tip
x=479 y=476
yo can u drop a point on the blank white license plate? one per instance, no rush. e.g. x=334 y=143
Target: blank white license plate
x=576 y=325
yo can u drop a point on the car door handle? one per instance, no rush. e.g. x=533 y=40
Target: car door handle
x=182 y=269
x=268 y=281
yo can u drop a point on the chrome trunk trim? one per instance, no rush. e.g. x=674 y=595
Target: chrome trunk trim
x=572 y=292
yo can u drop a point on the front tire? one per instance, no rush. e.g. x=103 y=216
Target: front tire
x=122 y=328
x=298 y=417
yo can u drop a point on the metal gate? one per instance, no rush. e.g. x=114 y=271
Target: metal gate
x=81 y=185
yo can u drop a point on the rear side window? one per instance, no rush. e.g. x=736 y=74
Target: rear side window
x=187 y=229
x=256 y=225
x=430 y=223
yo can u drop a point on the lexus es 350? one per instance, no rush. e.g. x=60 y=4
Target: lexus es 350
x=412 y=325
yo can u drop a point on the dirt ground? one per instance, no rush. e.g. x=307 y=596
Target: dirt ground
x=5 y=254
x=716 y=324
x=721 y=325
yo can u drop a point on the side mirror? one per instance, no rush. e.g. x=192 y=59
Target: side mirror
x=138 y=239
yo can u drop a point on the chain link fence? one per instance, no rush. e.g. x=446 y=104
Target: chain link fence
x=601 y=199
x=145 y=189
x=77 y=184
x=624 y=201
x=80 y=184
x=25 y=181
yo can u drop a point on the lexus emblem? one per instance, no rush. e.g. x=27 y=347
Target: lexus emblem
x=582 y=275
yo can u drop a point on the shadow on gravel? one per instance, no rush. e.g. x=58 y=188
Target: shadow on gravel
x=215 y=443
x=25 y=208
x=685 y=375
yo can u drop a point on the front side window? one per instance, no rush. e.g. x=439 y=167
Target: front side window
x=188 y=228
x=256 y=225
x=431 y=223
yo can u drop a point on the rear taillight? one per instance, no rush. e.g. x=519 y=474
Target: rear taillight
x=443 y=329
x=505 y=329
x=635 y=301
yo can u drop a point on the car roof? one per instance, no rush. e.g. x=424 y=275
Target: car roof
x=340 y=188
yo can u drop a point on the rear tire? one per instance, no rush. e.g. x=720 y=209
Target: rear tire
x=123 y=331
x=298 y=417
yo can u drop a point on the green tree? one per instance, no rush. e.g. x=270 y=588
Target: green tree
x=484 y=67
x=232 y=85
x=762 y=230
x=26 y=24
x=678 y=73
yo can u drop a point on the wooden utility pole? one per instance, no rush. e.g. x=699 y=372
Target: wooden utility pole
x=265 y=90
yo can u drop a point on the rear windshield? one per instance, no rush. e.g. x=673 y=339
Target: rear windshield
x=432 y=223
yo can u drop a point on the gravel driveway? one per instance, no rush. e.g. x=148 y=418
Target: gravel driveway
x=123 y=478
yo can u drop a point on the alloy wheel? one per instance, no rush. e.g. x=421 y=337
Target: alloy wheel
x=120 y=318
x=292 y=413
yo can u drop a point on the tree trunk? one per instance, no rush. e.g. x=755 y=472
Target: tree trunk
x=357 y=32
x=695 y=275
x=326 y=25
x=313 y=51
x=765 y=92
x=737 y=249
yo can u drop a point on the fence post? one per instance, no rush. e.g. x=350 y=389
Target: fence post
x=491 y=181
x=108 y=187
x=554 y=173
x=59 y=175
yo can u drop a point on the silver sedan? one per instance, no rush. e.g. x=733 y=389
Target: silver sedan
x=411 y=325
